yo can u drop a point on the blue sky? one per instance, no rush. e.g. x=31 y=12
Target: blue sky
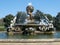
x=13 y=6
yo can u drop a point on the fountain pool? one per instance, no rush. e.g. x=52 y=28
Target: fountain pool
x=4 y=35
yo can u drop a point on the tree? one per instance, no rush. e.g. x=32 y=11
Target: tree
x=7 y=20
x=49 y=17
x=38 y=14
x=21 y=16
x=1 y=22
x=54 y=21
x=57 y=22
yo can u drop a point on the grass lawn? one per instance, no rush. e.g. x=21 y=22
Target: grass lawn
x=2 y=28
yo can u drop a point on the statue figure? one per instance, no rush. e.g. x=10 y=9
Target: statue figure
x=13 y=22
x=29 y=10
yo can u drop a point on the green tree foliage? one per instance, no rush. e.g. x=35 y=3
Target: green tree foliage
x=49 y=16
x=7 y=20
x=1 y=22
x=54 y=21
x=21 y=16
x=38 y=14
x=57 y=22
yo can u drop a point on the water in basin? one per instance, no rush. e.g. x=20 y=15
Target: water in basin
x=4 y=35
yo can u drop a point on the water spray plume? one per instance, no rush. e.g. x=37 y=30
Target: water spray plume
x=29 y=3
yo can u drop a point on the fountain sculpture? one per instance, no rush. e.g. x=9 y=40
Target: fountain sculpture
x=30 y=26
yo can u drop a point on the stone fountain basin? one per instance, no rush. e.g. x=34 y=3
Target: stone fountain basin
x=33 y=25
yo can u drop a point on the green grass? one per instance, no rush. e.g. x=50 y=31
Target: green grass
x=2 y=28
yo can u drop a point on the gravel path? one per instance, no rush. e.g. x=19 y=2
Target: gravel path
x=30 y=42
x=50 y=43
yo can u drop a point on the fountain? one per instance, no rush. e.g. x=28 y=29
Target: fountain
x=30 y=26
